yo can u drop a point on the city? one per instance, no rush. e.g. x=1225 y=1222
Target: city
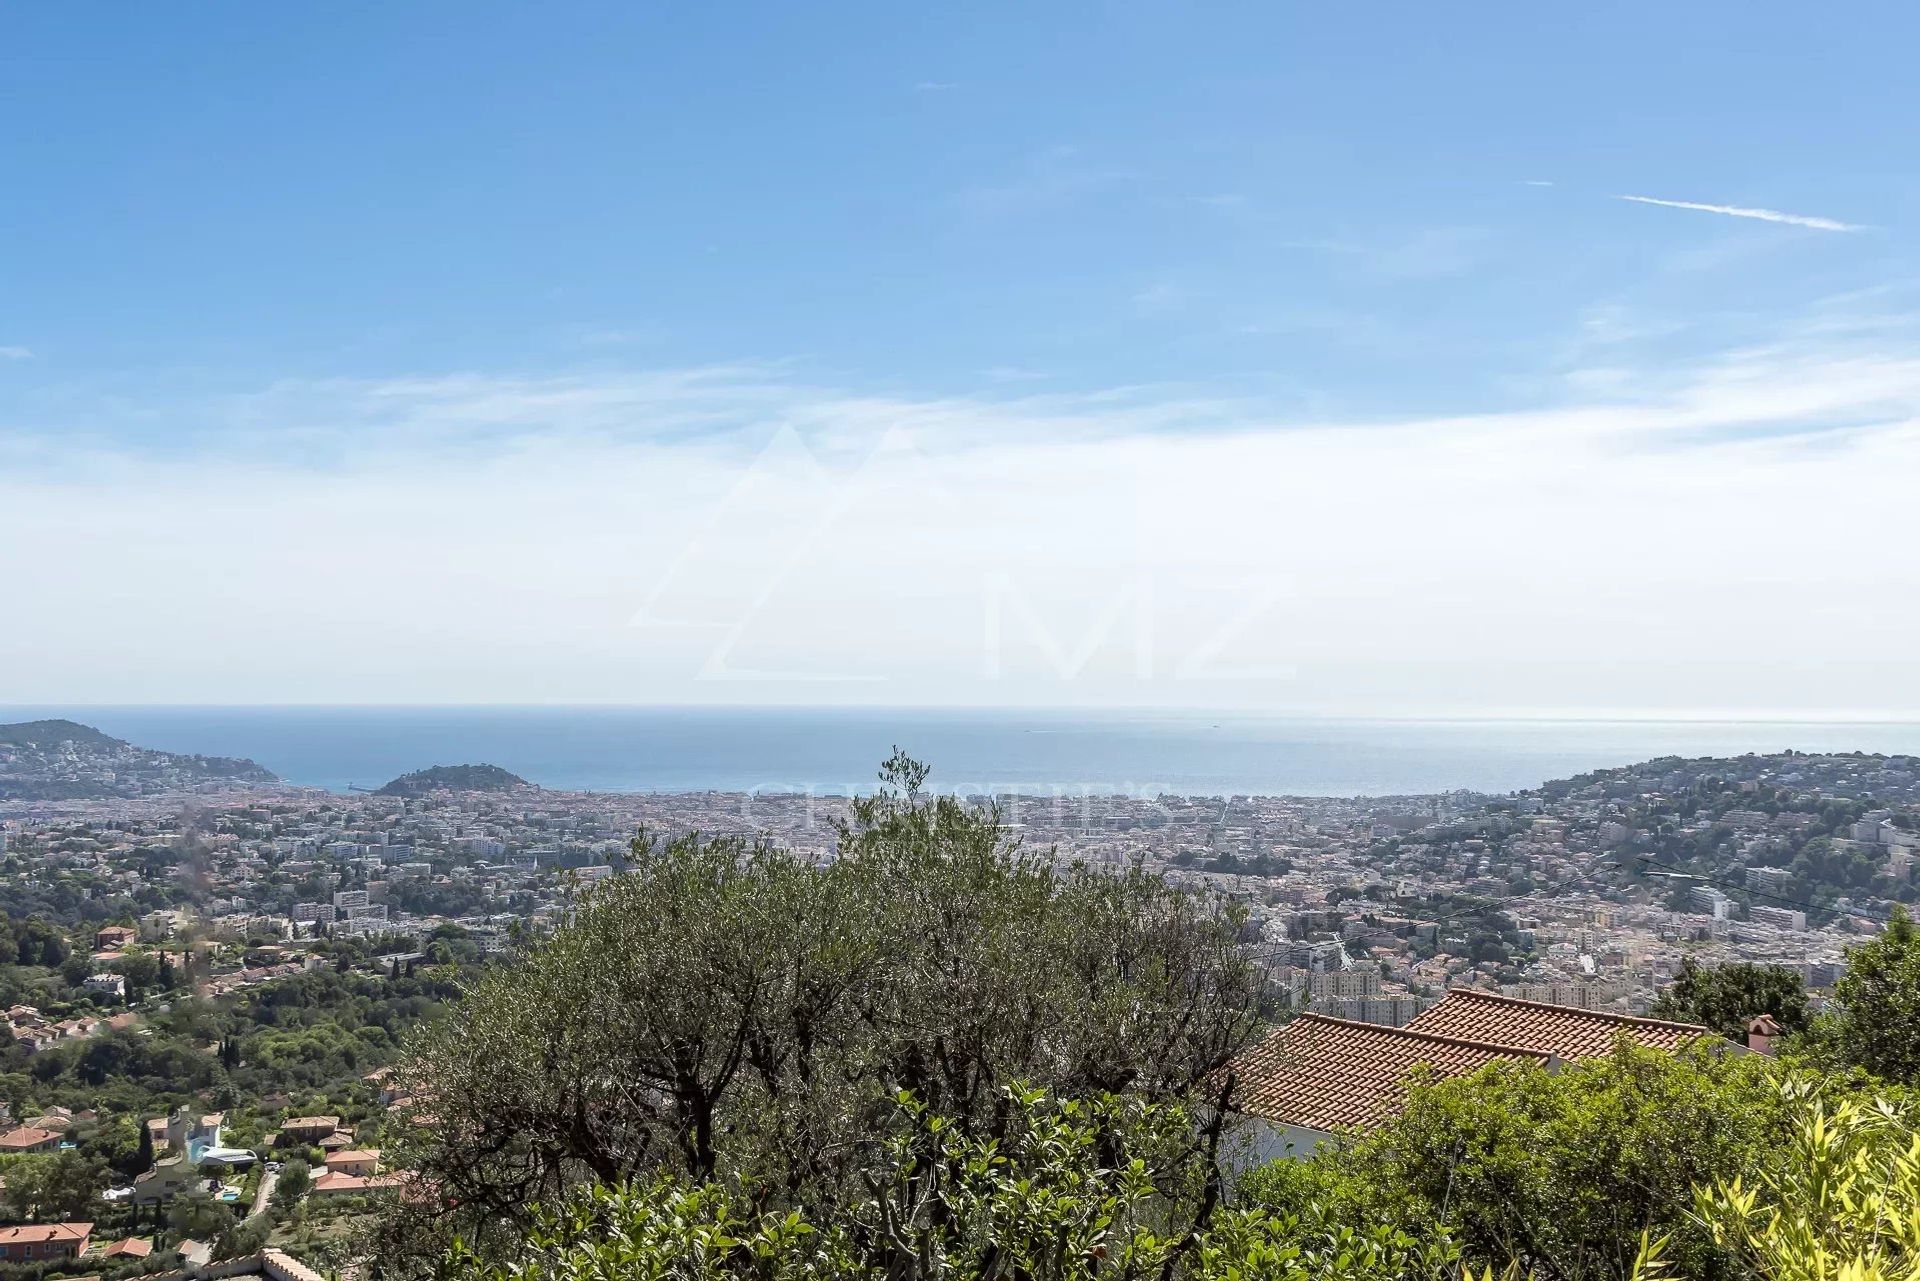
x=1590 y=893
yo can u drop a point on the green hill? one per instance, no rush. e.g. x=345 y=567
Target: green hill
x=50 y=734
x=60 y=760
x=454 y=778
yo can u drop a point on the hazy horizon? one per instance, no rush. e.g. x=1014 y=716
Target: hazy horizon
x=1681 y=716
x=1140 y=752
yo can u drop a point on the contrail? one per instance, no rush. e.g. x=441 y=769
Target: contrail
x=1736 y=211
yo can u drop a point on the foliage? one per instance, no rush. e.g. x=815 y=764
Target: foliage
x=1726 y=997
x=1875 y=1023
x=31 y=941
x=296 y=1176
x=51 y=1186
x=1564 y=1171
x=196 y=1214
x=727 y=1011
x=1095 y=1188
x=1841 y=1204
x=459 y=778
x=248 y=1236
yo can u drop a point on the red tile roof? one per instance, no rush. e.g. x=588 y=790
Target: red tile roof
x=46 y=1233
x=354 y=1157
x=26 y=1138
x=336 y=1181
x=1556 y=1029
x=1329 y=1074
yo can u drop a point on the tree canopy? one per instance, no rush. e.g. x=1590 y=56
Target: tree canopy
x=1875 y=1022
x=727 y=1010
x=1726 y=997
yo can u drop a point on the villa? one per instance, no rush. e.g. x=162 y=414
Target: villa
x=193 y=1140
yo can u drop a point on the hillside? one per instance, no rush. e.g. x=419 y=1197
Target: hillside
x=61 y=760
x=454 y=778
x=50 y=734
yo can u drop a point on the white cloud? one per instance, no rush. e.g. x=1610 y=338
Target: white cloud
x=1732 y=534
x=16 y=353
x=1737 y=211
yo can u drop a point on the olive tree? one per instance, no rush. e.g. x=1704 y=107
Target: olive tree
x=725 y=1009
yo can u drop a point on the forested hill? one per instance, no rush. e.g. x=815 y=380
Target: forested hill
x=57 y=760
x=454 y=778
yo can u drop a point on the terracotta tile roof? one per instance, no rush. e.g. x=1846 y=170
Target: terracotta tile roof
x=26 y=1138
x=1322 y=1073
x=350 y=1158
x=46 y=1234
x=1557 y=1029
x=336 y=1181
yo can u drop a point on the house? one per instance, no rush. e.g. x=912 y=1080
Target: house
x=1319 y=1076
x=128 y=1248
x=308 y=1129
x=361 y=1161
x=383 y=1078
x=195 y=1254
x=112 y=938
x=34 y=1039
x=112 y=984
x=162 y=924
x=44 y=1242
x=192 y=1140
x=28 y=1138
x=336 y=1183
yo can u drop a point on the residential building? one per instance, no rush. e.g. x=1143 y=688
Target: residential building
x=44 y=1243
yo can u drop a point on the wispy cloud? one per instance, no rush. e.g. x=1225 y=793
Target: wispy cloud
x=1536 y=182
x=934 y=86
x=573 y=496
x=16 y=353
x=1740 y=211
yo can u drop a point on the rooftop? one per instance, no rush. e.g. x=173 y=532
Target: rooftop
x=44 y=1233
x=1323 y=1073
x=1561 y=1030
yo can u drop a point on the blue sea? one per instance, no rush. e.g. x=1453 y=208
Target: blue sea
x=636 y=749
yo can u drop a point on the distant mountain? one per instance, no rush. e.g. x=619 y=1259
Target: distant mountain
x=454 y=778
x=62 y=760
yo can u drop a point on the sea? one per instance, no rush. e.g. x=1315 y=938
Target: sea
x=677 y=749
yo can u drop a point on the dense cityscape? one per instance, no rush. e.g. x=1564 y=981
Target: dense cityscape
x=154 y=901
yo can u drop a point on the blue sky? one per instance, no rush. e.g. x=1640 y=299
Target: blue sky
x=463 y=311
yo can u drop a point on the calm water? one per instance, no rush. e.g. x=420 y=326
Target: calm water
x=662 y=749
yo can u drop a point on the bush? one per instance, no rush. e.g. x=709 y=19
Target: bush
x=1090 y=1189
x=1564 y=1171
x=1842 y=1203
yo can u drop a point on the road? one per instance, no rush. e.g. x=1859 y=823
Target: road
x=268 y=1179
